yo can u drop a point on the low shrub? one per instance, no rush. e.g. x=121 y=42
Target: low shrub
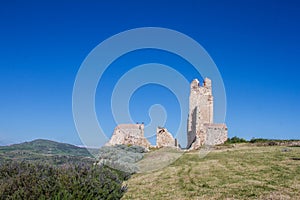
x=235 y=139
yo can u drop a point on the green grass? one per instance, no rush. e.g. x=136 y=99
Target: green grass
x=241 y=172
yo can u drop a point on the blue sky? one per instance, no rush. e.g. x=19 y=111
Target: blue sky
x=255 y=45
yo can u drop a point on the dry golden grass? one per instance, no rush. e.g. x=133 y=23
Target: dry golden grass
x=242 y=172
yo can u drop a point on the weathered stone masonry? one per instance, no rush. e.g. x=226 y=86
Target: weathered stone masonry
x=164 y=138
x=132 y=134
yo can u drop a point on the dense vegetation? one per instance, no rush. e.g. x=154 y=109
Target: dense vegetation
x=44 y=169
x=23 y=180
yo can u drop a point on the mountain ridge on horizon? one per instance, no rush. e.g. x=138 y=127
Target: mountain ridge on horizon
x=42 y=150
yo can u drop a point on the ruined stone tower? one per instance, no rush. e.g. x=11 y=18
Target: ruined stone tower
x=200 y=128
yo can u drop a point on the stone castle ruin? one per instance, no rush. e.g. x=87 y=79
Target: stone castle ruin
x=130 y=134
x=201 y=130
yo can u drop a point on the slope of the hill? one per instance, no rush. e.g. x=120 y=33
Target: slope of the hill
x=239 y=172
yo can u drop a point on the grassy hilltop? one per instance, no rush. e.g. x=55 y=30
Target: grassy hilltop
x=241 y=171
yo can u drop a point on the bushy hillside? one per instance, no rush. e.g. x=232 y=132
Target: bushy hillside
x=44 y=169
x=23 y=180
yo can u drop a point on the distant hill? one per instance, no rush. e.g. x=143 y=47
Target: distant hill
x=45 y=151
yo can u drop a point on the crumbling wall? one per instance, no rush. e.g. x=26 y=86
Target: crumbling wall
x=131 y=134
x=164 y=138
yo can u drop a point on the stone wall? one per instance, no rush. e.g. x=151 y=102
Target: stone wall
x=164 y=138
x=215 y=134
x=132 y=134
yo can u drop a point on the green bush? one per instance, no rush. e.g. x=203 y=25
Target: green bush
x=24 y=180
x=235 y=139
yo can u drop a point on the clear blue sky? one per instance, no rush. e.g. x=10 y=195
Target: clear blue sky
x=255 y=44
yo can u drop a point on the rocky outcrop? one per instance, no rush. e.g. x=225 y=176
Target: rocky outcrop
x=164 y=138
x=130 y=134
